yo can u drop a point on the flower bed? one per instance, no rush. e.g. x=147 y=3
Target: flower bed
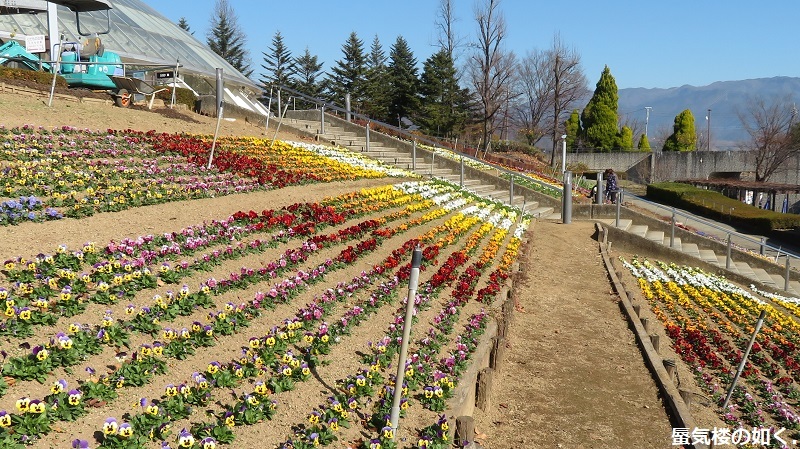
x=108 y=322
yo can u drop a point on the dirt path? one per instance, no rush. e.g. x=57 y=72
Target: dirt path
x=573 y=375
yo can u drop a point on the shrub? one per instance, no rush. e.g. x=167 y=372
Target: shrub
x=31 y=76
x=182 y=96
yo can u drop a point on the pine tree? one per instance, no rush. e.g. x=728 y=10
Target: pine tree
x=307 y=71
x=573 y=130
x=226 y=39
x=403 y=81
x=444 y=108
x=683 y=137
x=348 y=75
x=377 y=90
x=278 y=63
x=599 y=118
x=184 y=25
x=644 y=144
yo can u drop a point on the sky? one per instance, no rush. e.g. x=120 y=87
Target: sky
x=651 y=44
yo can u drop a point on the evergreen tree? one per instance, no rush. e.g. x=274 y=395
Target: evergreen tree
x=625 y=142
x=226 y=39
x=278 y=64
x=444 y=105
x=403 y=81
x=377 y=90
x=307 y=71
x=683 y=137
x=184 y=25
x=573 y=130
x=349 y=74
x=644 y=144
x=599 y=118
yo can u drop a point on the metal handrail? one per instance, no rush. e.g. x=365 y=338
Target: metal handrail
x=430 y=142
x=678 y=212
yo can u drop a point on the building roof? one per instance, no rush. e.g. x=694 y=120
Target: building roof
x=138 y=33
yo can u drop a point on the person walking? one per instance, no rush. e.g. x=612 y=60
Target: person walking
x=611 y=185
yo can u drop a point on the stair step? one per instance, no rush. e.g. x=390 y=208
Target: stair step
x=656 y=236
x=690 y=249
x=709 y=256
x=744 y=269
x=676 y=243
x=624 y=223
x=540 y=212
x=763 y=276
x=640 y=230
x=439 y=172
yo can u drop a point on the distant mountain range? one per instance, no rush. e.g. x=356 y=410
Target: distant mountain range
x=724 y=98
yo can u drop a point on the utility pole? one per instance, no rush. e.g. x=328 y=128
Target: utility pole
x=708 y=131
x=647 y=118
x=791 y=119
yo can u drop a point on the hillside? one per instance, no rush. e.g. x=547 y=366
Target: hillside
x=724 y=98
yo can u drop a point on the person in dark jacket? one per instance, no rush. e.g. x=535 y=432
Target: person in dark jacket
x=611 y=185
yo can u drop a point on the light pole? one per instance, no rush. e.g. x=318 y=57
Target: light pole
x=647 y=118
x=563 y=153
x=708 y=131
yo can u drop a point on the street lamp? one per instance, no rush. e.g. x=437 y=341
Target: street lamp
x=563 y=153
x=708 y=131
x=647 y=118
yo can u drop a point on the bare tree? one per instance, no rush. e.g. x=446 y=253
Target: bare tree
x=445 y=21
x=491 y=67
x=769 y=125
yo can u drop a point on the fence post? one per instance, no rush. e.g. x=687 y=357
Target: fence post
x=566 y=199
x=511 y=192
x=433 y=159
x=672 y=230
x=761 y=248
x=728 y=255
x=786 y=274
x=367 y=145
x=461 y=176
x=322 y=119
x=347 y=106
x=601 y=193
x=414 y=155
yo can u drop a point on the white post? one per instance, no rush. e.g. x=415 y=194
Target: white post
x=220 y=100
x=174 y=83
x=55 y=70
x=416 y=261
x=563 y=153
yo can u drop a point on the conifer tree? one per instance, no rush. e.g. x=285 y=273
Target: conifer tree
x=573 y=130
x=625 y=142
x=377 y=89
x=644 y=144
x=599 y=118
x=226 y=38
x=403 y=81
x=307 y=71
x=278 y=63
x=444 y=105
x=683 y=137
x=184 y=25
x=349 y=74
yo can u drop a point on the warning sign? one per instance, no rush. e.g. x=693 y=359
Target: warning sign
x=35 y=43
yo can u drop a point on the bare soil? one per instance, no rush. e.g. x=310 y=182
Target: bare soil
x=573 y=376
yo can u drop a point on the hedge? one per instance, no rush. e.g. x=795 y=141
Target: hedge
x=707 y=203
x=32 y=76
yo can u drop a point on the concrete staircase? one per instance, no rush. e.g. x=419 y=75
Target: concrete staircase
x=759 y=275
x=424 y=166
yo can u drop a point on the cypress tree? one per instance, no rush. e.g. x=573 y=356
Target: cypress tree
x=625 y=139
x=599 y=118
x=403 y=81
x=683 y=137
x=644 y=144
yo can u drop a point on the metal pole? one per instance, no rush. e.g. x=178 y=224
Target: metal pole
x=563 y=153
x=279 y=101
x=174 y=83
x=566 y=199
x=728 y=254
x=416 y=261
x=601 y=194
x=461 y=176
x=322 y=119
x=55 y=71
x=433 y=159
x=269 y=111
x=708 y=132
x=280 y=121
x=744 y=358
x=619 y=202
x=511 y=192
x=786 y=274
x=414 y=155
x=761 y=248
x=368 y=125
x=672 y=229
x=347 y=106
x=220 y=100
